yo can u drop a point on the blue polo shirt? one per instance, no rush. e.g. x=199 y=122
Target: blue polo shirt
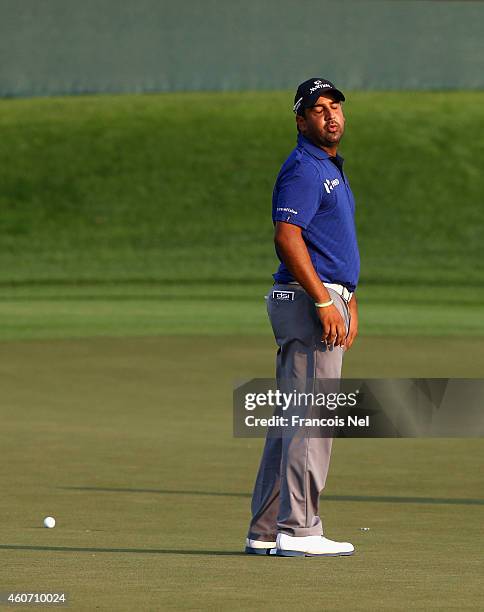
x=313 y=192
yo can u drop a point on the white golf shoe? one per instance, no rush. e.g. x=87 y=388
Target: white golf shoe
x=311 y=546
x=257 y=547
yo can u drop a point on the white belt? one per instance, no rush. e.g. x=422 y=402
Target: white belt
x=340 y=289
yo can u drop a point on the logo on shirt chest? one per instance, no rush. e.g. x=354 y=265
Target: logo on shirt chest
x=329 y=184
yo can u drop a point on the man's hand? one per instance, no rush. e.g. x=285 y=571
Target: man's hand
x=334 y=329
x=353 y=308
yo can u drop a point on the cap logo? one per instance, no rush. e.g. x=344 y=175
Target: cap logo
x=319 y=85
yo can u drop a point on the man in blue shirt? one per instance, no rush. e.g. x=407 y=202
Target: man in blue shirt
x=313 y=311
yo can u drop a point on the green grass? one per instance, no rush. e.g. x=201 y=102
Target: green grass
x=146 y=309
x=128 y=443
x=136 y=250
x=178 y=186
x=150 y=214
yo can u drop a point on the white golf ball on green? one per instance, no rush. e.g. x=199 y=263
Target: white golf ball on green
x=49 y=522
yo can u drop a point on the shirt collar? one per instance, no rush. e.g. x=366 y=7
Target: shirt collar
x=314 y=150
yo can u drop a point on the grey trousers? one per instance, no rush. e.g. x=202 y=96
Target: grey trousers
x=293 y=468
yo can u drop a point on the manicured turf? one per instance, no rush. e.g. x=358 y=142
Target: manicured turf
x=128 y=443
x=178 y=186
x=54 y=311
x=122 y=200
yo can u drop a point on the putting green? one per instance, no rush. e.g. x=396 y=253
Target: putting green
x=127 y=442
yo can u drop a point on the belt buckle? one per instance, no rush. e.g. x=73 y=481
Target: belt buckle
x=345 y=294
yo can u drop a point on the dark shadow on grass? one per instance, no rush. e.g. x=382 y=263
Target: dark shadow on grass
x=389 y=499
x=148 y=551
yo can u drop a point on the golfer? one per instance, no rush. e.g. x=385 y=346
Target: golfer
x=313 y=312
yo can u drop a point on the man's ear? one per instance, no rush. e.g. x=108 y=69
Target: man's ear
x=301 y=123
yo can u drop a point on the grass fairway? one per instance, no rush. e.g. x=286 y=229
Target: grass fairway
x=74 y=311
x=128 y=443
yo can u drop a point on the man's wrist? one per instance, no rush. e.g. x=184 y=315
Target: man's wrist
x=322 y=295
x=324 y=304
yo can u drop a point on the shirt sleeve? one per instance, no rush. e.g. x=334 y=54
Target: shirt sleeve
x=298 y=195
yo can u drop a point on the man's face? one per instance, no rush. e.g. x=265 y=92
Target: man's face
x=324 y=123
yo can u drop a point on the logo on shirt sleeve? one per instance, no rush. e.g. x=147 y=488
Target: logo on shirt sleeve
x=289 y=210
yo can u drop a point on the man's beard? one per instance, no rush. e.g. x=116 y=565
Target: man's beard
x=329 y=139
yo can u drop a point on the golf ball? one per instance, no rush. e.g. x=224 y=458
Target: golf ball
x=49 y=522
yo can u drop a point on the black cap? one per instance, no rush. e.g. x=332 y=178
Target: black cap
x=308 y=92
